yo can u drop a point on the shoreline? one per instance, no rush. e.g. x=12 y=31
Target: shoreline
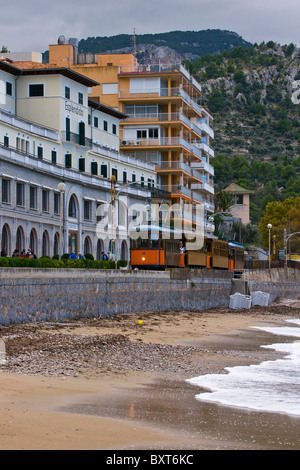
x=139 y=400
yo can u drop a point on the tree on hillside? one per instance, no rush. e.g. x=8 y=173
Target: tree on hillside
x=282 y=215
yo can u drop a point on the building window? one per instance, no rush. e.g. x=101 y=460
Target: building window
x=33 y=197
x=124 y=177
x=9 y=88
x=6 y=141
x=67 y=92
x=96 y=121
x=133 y=177
x=20 y=194
x=80 y=97
x=54 y=156
x=87 y=210
x=141 y=134
x=56 y=203
x=40 y=152
x=6 y=191
x=104 y=170
x=89 y=119
x=114 y=172
x=153 y=133
x=114 y=128
x=45 y=201
x=239 y=199
x=36 y=89
x=81 y=129
x=142 y=181
x=73 y=208
x=94 y=168
x=81 y=164
x=68 y=127
x=105 y=125
x=68 y=160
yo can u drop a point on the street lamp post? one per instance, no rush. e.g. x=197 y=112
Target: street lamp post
x=61 y=188
x=269 y=227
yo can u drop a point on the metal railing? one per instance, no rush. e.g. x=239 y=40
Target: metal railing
x=256 y=264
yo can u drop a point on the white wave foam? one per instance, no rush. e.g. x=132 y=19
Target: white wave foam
x=270 y=386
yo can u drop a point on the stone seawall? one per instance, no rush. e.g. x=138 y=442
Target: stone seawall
x=42 y=295
x=29 y=295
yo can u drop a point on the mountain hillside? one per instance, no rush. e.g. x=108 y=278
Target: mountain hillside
x=183 y=45
x=257 y=121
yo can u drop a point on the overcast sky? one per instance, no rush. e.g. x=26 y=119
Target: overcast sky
x=33 y=25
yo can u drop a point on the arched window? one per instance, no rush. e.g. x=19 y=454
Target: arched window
x=56 y=244
x=124 y=250
x=73 y=207
x=87 y=248
x=5 y=241
x=33 y=241
x=20 y=239
x=45 y=245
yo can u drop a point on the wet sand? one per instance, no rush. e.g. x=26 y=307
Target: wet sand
x=102 y=408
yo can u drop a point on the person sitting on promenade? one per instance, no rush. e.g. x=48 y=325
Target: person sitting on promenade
x=80 y=256
x=72 y=256
x=3 y=252
x=16 y=253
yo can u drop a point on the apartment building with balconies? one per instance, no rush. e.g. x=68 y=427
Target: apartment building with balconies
x=166 y=125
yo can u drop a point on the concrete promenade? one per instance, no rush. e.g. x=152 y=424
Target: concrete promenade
x=29 y=295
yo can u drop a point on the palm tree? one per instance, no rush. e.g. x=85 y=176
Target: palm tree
x=224 y=201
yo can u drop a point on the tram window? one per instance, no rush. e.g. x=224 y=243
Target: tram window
x=135 y=243
x=154 y=243
x=144 y=243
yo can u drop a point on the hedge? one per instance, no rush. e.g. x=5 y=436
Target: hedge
x=45 y=262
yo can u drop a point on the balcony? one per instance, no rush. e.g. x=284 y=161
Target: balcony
x=199 y=146
x=205 y=187
x=76 y=139
x=157 y=142
x=202 y=165
x=201 y=127
x=174 y=165
x=177 y=189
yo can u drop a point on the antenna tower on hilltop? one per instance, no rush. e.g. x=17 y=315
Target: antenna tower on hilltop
x=134 y=43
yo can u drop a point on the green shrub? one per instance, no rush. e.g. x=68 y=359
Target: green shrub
x=122 y=263
x=46 y=262
x=89 y=256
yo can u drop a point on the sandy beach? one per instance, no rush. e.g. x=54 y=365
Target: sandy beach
x=119 y=383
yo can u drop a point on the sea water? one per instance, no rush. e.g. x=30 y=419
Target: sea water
x=272 y=386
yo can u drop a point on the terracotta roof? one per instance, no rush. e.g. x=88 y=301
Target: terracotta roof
x=236 y=189
x=29 y=65
x=37 y=68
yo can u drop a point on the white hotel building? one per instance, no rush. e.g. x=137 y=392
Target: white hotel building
x=51 y=132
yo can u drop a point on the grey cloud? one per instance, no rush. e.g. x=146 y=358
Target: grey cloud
x=33 y=25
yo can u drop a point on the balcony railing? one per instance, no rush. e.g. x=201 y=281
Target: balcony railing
x=202 y=165
x=157 y=142
x=177 y=189
x=198 y=146
x=76 y=139
x=174 y=165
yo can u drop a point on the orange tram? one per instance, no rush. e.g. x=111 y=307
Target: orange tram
x=153 y=247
